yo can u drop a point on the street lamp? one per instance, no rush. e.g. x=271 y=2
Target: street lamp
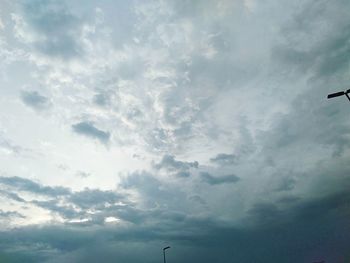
x=164 y=252
x=338 y=94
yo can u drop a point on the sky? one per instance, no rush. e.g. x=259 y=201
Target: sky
x=128 y=126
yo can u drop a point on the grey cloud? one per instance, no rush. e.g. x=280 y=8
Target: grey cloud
x=12 y=196
x=178 y=168
x=197 y=199
x=297 y=210
x=90 y=198
x=67 y=203
x=56 y=29
x=326 y=54
x=215 y=180
x=67 y=211
x=143 y=181
x=265 y=213
x=289 y=199
x=318 y=56
x=183 y=174
x=169 y=163
x=224 y=159
x=35 y=100
x=88 y=129
x=101 y=99
x=10 y=214
x=106 y=96
x=315 y=223
x=326 y=59
x=154 y=192
x=22 y=184
x=285 y=184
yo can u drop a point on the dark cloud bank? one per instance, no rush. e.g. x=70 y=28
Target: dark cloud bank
x=302 y=231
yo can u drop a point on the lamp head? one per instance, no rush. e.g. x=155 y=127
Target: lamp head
x=336 y=94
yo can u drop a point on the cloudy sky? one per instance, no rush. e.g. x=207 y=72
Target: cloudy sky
x=127 y=126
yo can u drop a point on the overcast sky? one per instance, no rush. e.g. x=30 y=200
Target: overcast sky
x=128 y=126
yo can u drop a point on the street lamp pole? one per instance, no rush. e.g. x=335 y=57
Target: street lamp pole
x=338 y=94
x=164 y=252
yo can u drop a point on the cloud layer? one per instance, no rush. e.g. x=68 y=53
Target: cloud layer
x=200 y=125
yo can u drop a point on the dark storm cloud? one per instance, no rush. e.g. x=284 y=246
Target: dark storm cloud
x=22 y=184
x=224 y=159
x=56 y=29
x=169 y=163
x=88 y=129
x=288 y=199
x=309 y=231
x=223 y=179
x=35 y=100
x=264 y=213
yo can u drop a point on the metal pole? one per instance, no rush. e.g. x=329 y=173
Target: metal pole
x=164 y=253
